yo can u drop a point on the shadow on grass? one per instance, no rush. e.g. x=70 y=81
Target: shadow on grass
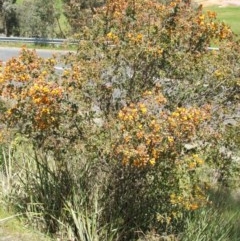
x=227 y=203
x=220 y=221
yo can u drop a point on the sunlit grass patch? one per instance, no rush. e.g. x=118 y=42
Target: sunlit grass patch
x=12 y=227
x=229 y=14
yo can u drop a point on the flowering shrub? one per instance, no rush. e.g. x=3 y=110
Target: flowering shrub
x=153 y=134
x=151 y=148
x=136 y=43
x=32 y=96
x=37 y=101
x=143 y=103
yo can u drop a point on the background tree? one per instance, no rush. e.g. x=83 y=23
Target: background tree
x=37 y=18
x=79 y=12
x=8 y=12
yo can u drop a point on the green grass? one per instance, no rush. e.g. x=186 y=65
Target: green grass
x=218 y=222
x=12 y=226
x=39 y=46
x=230 y=15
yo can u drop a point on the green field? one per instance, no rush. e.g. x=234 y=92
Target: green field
x=230 y=15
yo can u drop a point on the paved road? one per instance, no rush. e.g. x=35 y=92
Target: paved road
x=7 y=53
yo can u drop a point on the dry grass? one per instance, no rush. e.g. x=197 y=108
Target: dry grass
x=218 y=2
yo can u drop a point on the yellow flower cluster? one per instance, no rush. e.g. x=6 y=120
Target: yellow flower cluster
x=195 y=199
x=135 y=38
x=45 y=118
x=155 y=51
x=225 y=32
x=1 y=78
x=201 y=19
x=212 y=28
x=44 y=98
x=15 y=71
x=147 y=135
x=44 y=93
x=194 y=161
x=132 y=112
x=211 y=14
x=113 y=38
x=30 y=90
x=184 y=121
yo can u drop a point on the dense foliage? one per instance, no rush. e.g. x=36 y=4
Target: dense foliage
x=8 y=20
x=127 y=139
x=37 y=18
